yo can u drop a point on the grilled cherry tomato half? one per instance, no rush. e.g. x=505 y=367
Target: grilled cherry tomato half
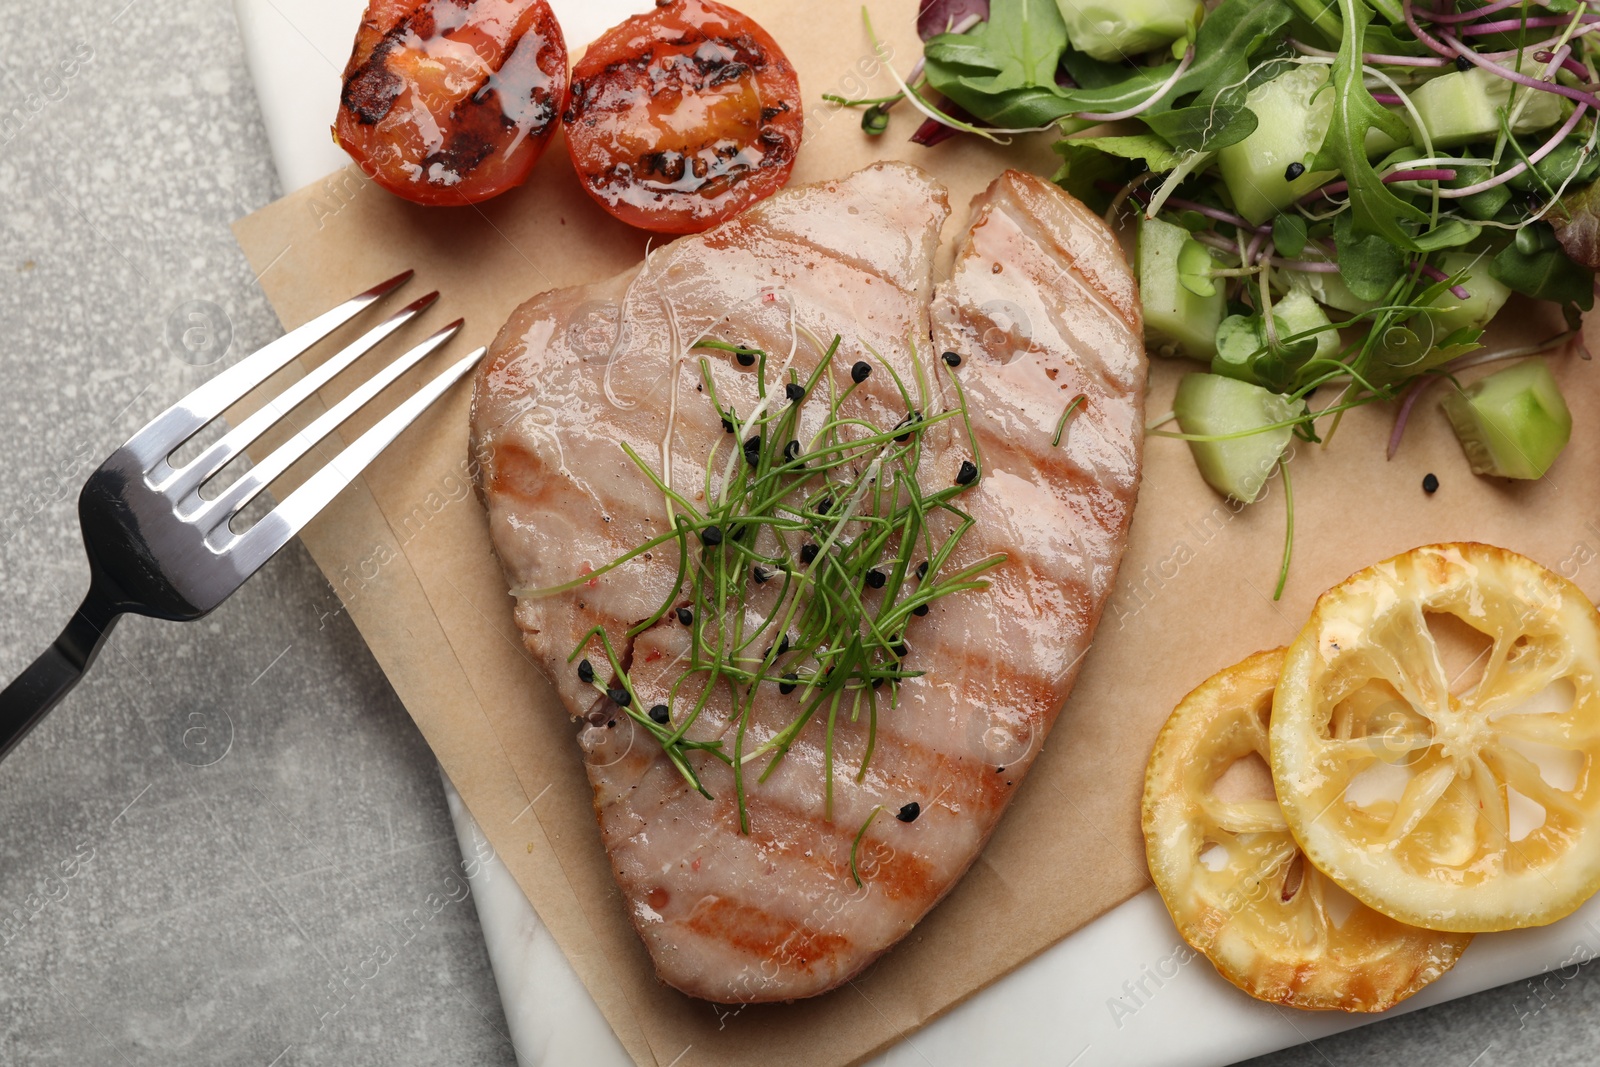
x=683 y=117
x=452 y=101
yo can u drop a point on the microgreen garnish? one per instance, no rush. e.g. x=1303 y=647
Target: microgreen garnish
x=807 y=549
x=856 y=844
x=1061 y=426
x=1288 y=531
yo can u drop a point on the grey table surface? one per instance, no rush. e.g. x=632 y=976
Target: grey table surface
x=230 y=845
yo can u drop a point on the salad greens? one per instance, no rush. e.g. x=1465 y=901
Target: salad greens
x=1330 y=193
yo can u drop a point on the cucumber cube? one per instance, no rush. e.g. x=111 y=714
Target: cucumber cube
x=1297 y=312
x=1177 y=320
x=1113 y=30
x=1293 y=122
x=1512 y=424
x=1464 y=106
x=1210 y=404
x=1485 y=296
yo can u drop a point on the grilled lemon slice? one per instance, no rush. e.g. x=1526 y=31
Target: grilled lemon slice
x=1439 y=799
x=1235 y=881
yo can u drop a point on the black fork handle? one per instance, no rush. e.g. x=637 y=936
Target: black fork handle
x=36 y=690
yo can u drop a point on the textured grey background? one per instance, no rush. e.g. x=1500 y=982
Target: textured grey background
x=277 y=906
x=298 y=900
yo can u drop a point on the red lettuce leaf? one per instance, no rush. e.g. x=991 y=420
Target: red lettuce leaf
x=937 y=16
x=1579 y=230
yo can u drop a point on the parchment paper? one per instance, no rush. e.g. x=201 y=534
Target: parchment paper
x=408 y=552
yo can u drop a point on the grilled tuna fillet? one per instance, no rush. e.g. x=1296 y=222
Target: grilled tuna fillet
x=1041 y=308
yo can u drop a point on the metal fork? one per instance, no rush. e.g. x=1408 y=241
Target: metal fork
x=156 y=547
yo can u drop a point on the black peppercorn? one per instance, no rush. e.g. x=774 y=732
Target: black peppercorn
x=1430 y=484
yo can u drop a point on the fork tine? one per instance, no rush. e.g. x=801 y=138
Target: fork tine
x=210 y=514
x=152 y=445
x=191 y=475
x=256 y=545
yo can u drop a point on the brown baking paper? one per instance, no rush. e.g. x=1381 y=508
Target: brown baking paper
x=407 y=549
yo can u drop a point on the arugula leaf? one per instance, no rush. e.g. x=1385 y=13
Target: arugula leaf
x=1368 y=263
x=1229 y=36
x=1448 y=234
x=1204 y=129
x=1091 y=73
x=1221 y=76
x=1086 y=161
x=1157 y=153
x=1378 y=212
x=1579 y=232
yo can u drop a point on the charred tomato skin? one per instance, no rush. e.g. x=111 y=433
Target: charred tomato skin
x=682 y=117
x=452 y=101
